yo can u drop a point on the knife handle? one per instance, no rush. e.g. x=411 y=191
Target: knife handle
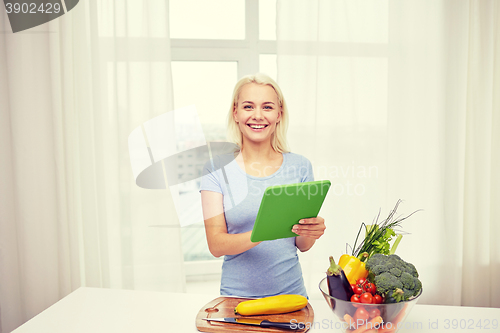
x=289 y=326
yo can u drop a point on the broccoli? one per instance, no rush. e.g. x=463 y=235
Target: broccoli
x=395 y=278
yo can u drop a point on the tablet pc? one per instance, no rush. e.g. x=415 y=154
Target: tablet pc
x=282 y=206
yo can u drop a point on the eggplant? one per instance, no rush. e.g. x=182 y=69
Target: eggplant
x=338 y=285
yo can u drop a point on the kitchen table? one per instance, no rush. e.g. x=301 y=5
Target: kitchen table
x=95 y=310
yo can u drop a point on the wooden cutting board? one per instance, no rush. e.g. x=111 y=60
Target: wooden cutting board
x=224 y=307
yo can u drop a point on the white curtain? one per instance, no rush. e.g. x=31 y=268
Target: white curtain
x=71 y=91
x=400 y=100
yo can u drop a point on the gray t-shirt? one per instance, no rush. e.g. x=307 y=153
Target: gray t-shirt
x=272 y=267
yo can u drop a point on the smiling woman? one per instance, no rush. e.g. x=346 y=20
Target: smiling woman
x=231 y=195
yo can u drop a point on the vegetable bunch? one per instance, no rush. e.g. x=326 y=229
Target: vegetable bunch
x=377 y=276
x=379 y=235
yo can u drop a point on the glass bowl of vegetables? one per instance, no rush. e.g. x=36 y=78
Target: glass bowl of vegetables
x=367 y=317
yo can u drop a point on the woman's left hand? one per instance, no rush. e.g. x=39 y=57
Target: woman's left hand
x=312 y=228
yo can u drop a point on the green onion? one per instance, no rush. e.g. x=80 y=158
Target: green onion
x=378 y=235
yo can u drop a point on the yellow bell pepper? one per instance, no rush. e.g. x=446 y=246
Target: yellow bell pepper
x=354 y=268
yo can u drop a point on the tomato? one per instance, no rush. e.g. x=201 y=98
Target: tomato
x=355 y=298
x=366 y=298
x=361 y=314
x=355 y=301
x=378 y=299
x=361 y=281
x=357 y=289
x=369 y=288
x=374 y=312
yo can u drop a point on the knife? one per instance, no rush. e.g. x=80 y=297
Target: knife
x=257 y=322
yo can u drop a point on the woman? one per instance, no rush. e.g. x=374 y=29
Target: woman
x=231 y=196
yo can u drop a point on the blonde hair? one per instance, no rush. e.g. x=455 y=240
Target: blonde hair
x=278 y=138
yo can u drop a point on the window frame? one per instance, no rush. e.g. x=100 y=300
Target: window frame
x=245 y=52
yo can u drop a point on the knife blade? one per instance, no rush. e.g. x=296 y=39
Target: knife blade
x=256 y=322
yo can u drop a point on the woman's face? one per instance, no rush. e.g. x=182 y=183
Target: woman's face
x=257 y=112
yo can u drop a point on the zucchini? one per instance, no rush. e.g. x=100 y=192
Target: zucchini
x=271 y=305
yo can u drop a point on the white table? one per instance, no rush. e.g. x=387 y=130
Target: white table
x=94 y=310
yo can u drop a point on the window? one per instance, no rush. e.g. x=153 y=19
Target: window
x=215 y=19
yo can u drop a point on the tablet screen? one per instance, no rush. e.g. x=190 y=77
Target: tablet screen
x=282 y=206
